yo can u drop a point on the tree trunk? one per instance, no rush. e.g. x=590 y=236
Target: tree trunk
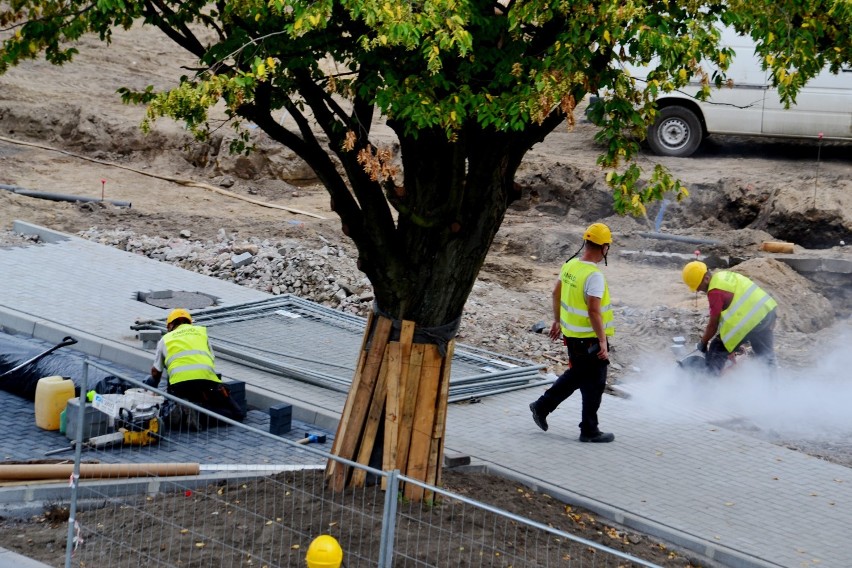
x=422 y=271
x=398 y=399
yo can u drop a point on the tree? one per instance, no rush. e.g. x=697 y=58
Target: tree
x=468 y=87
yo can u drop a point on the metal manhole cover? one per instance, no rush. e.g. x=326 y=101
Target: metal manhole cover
x=169 y=299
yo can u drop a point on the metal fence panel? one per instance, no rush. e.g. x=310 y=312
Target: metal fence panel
x=231 y=494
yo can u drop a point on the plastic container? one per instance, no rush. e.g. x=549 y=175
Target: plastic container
x=51 y=398
x=62 y=420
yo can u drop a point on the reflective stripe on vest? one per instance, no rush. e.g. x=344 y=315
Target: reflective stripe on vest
x=574 y=315
x=188 y=356
x=748 y=308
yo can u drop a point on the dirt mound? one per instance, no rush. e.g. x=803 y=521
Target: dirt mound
x=801 y=308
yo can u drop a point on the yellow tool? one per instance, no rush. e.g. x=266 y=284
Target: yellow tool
x=133 y=436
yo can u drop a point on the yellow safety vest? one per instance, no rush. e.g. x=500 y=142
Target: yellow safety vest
x=188 y=355
x=574 y=314
x=748 y=308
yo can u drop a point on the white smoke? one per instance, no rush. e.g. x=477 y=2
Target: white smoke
x=795 y=404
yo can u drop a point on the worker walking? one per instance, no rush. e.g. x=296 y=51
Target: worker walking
x=740 y=310
x=583 y=320
x=324 y=552
x=185 y=357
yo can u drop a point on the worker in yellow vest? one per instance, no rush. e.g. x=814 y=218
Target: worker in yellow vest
x=185 y=358
x=740 y=311
x=582 y=316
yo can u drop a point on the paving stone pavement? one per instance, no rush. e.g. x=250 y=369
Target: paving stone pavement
x=735 y=499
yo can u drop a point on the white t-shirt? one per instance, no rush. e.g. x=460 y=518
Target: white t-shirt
x=595 y=283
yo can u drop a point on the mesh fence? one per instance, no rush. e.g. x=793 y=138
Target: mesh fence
x=191 y=488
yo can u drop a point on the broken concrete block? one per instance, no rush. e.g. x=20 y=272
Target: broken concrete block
x=241 y=259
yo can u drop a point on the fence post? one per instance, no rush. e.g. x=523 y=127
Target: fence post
x=78 y=451
x=389 y=520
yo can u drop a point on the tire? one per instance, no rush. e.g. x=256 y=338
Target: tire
x=677 y=132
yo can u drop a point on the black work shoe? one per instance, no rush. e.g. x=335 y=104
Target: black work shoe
x=600 y=437
x=539 y=418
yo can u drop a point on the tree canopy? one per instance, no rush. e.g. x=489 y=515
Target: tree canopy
x=468 y=86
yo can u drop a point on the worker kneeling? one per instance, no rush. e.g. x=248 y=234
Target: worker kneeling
x=740 y=311
x=185 y=357
x=324 y=552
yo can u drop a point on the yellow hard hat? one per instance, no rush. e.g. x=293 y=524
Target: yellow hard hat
x=324 y=552
x=598 y=233
x=179 y=313
x=693 y=274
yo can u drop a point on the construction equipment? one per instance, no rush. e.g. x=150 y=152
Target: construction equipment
x=132 y=435
x=135 y=415
x=312 y=439
x=695 y=365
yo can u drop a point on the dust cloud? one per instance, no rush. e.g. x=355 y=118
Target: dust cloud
x=806 y=404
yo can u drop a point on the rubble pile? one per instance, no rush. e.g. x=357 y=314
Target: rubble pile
x=325 y=273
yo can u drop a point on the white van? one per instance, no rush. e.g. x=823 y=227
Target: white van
x=751 y=107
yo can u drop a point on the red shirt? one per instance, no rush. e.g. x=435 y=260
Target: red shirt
x=719 y=301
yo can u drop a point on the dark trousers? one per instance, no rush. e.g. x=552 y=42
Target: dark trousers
x=761 y=339
x=586 y=373
x=212 y=395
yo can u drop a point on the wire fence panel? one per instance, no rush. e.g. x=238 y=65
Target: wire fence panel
x=328 y=343
x=452 y=530
x=184 y=487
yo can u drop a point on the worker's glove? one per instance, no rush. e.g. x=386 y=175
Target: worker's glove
x=701 y=346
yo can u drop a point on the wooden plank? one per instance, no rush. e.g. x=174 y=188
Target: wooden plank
x=361 y=401
x=436 y=452
x=411 y=380
x=424 y=421
x=391 y=408
x=344 y=417
x=399 y=357
x=350 y=398
x=392 y=404
x=371 y=426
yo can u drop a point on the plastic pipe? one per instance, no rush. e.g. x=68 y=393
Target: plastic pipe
x=61 y=197
x=679 y=238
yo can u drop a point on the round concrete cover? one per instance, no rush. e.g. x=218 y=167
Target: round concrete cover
x=178 y=299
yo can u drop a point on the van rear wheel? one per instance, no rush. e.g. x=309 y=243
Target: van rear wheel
x=676 y=132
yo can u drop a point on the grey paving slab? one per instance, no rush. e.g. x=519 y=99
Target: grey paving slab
x=677 y=475
x=10 y=559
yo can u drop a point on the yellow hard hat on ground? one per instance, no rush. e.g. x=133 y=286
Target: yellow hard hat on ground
x=598 y=233
x=693 y=274
x=179 y=313
x=324 y=552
